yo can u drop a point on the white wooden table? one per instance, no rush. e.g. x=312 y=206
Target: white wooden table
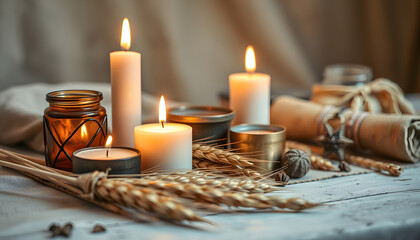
x=362 y=206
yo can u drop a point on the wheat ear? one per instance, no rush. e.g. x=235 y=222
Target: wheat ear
x=232 y=170
x=226 y=184
x=144 y=199
x=318 y=162
x=219 y=155
x=391 y=168
x=212 y=195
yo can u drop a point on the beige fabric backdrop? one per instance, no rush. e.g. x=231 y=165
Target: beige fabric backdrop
x=190 y=47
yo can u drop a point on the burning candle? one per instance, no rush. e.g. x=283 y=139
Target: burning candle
x=250 y=93
x=126 y=90
x=120 y=160
x=164 y=146
x=83 y=132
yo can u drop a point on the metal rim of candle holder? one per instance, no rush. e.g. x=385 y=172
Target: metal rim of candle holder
x=138 y=153
x=61 y=146
x=223 y=115
x=241 y=128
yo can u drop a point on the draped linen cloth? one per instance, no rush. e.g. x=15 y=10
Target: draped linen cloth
x=190 y=47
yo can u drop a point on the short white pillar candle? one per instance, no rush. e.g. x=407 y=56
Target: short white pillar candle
x=164 y=146
x=249 y=93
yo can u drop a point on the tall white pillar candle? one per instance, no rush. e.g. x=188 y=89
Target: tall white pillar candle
x=125 y=90
x=250 y=93
x=164 y=146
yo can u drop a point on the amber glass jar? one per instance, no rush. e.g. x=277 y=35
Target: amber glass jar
x=74 y=120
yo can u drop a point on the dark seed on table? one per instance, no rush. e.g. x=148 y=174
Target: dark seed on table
x=98 y=228
x=56 y=231
x=282 y=177
x=53 y=226
x=344 y=166
x=66 y=230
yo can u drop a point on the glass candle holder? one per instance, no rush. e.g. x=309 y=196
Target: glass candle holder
x=74 y=120
x=347 y=74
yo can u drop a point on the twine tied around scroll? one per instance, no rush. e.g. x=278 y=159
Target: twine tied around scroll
x=378 y=96
x=351 y=127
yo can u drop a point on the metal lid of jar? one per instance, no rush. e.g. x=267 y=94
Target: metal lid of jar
x=200 y=114
x=72 y=97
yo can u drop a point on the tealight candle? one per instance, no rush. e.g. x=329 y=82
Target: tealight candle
x=250 y=93
x=106 y=154
x=120 y=160
x=125 y=90
x=164 y=146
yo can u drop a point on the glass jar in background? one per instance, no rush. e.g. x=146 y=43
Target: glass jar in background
x=74 y=120
x=347 y=74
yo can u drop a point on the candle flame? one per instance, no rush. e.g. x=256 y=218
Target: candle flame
x=83 y=131
x=125 y=35
x=162 y=111
x=250 y=64
x=108 y=141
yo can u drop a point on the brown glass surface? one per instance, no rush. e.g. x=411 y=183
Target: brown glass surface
x=64 y=119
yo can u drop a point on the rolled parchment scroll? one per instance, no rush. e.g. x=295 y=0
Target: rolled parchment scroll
x=396 y=136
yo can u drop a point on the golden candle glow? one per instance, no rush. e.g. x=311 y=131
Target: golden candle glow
x=108 y=141
x=162 y=111
x=125 y=35
x=250 y=64
x=84 y=132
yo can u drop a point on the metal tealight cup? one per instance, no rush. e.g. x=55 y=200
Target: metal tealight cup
x=263 y=142
x=207 y=122
x=128 y=165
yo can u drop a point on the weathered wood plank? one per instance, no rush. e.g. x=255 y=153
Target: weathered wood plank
x=356 y=207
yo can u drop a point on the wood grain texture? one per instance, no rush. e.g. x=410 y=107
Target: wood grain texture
x=356 y=207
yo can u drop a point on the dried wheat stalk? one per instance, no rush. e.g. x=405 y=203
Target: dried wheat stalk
x=227 y=184
x=213 y=195
x=221 y=156
x=144 y=198
x=391 y=168
x=232 y=170
x=160 y=198
x=95 y=187
x=321 y=163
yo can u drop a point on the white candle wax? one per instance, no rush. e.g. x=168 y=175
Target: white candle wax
x=168 y=148
x=250 y=97
x=100 y=153
x=126 y=96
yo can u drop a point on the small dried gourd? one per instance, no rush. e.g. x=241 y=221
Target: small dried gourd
x=297 y=162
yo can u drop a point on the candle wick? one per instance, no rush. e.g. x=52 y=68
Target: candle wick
x=163 y=126
x=107 y=152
